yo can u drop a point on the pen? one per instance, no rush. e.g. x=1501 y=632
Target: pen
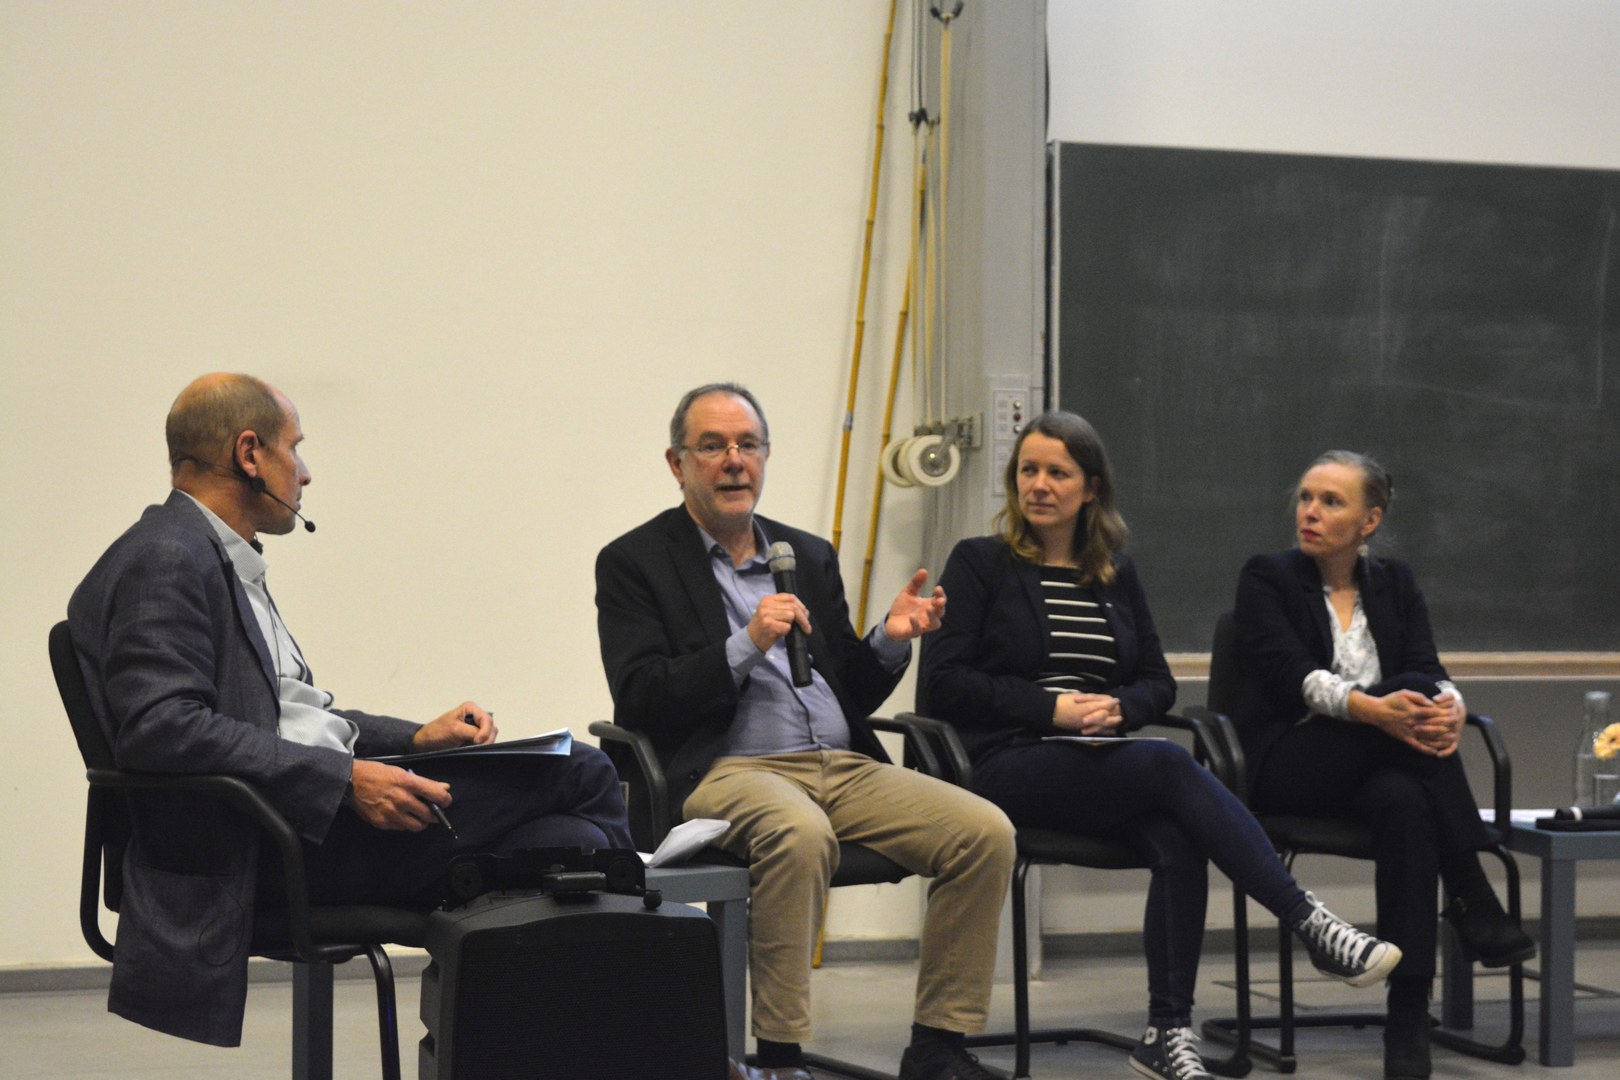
x=438 y=813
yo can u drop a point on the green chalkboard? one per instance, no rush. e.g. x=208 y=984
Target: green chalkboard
x=1223 y=317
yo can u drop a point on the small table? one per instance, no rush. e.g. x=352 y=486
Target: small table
x=725 y=890
x=1559 y=852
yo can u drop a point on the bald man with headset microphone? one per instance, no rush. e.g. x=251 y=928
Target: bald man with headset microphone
x=191 y=669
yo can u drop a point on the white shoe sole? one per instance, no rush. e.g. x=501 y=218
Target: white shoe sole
x=1380 y=970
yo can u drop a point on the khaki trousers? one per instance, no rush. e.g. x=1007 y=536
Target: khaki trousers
x=789 y=811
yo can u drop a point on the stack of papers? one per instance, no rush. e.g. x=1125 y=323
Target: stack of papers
x=559 y=743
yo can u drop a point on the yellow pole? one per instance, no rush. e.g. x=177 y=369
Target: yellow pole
x=860 y=335
x=860 y=296
x=888 y=418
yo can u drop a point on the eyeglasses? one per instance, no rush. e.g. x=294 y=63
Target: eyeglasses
x=747 y=449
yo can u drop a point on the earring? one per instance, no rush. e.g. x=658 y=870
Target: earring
x=1362 y=549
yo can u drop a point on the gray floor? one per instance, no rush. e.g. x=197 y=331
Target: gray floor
x=862 y=1009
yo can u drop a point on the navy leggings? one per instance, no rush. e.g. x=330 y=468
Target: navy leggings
x=1152 y=795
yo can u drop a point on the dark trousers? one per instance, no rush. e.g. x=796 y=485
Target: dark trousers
x=1152 y=795
x=1419 y=808
x=501 y=804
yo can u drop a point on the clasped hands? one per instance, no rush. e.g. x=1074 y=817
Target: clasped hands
x=1430 y=726
x=390 y=797
x=911 y=615
x=1087 y=714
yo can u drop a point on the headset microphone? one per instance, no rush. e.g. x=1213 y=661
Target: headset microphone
x=258 y=485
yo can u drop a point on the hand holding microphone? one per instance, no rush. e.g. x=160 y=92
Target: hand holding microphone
x=784 y=572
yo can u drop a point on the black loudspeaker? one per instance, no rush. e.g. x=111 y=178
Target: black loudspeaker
x=536 y=987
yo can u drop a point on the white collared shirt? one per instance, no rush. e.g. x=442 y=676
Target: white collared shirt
x=305 y=710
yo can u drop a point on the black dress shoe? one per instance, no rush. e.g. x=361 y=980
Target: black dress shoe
x=1406 y=1046
x=1493 y=936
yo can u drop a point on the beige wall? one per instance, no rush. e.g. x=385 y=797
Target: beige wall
x=484 y=248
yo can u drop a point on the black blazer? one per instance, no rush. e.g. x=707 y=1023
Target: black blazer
x=662 y=628
x=1283 y=635
x=979 y=668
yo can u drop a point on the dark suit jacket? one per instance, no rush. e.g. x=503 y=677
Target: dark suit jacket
x=1284 y=634
x=182 y=682
x=979 y=668
x=662 y=628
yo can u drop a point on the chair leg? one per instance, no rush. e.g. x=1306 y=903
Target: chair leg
x=1024 y=1035
x=387 y=1011
x=1236 y=1032
x=1232 y=1032
x=1286 y=1062
x=312 y=1021
x=1509 y=1051
x=1020 y=943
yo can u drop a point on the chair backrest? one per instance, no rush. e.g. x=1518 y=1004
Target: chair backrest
x=93 y=745
x=106 y=831
x=1225 y=677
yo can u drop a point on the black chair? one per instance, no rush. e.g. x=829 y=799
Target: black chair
x=311 y=937
x=1051 y=847
x=652 y=816
x=1295 y=835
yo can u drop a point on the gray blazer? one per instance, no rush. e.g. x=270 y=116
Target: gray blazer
x=182 y=682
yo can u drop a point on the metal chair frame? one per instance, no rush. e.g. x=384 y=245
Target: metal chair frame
x=311 y=937
x=652 y=817
x=1048 y=847
x=1295 y=835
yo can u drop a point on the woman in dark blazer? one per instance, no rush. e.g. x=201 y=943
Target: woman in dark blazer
x=1346 y=711
x=1048 y=634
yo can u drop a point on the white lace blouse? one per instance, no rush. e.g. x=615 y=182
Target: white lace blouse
x=1355 y=665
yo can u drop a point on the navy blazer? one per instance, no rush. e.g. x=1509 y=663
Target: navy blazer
x=979 y=668
x=182 y=682
x=1284 y=634
x=662 y=627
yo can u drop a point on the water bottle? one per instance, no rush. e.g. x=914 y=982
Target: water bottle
x=1597 y=781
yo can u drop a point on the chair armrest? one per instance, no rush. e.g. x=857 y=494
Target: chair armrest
x=1228 y=763
x=650 y=768
x=950 y=755
x=1209 y=742
x=1206 y=746
x=1501 y=769
x=243 y=796
x=918 y=740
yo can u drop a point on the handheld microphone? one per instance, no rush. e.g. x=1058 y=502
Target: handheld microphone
x=258 y=485
x=784 y=573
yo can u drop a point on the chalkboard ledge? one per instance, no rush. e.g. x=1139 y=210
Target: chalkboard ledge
x=1470 y=665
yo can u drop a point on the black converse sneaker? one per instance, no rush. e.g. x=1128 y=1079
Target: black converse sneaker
x=1336 y=948
x=1169 y=1054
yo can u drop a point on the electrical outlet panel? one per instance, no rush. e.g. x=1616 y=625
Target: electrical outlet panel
x=1009 y=411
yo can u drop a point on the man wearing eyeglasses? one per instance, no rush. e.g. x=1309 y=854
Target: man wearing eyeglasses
x=692 y=631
